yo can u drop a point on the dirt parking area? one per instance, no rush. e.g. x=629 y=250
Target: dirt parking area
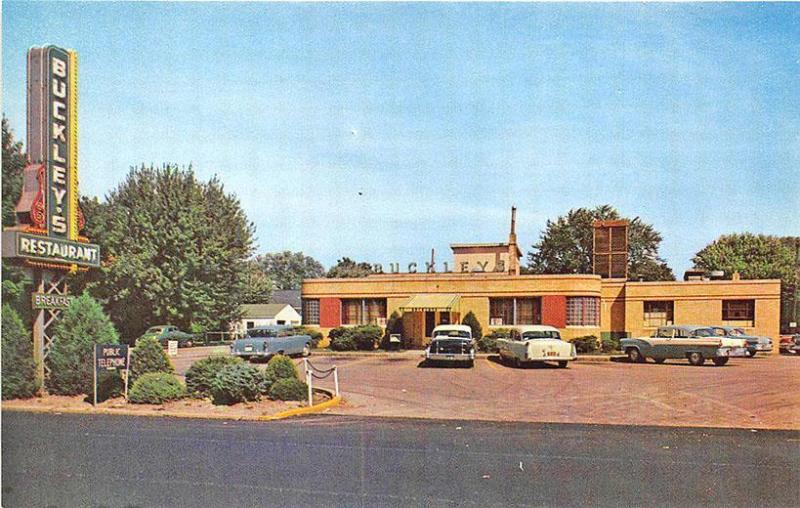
x=757 y=393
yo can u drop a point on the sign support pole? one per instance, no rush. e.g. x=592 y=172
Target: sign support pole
x=94 y=374
x=38 y=331
x=127 y=373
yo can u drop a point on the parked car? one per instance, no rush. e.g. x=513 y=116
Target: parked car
x=790 y=344
x=165 y=333
x=755 y=344
x=451 y=344
x=536 y=343
x=266 y=341
x=695 y=343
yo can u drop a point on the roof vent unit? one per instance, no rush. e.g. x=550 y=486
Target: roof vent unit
x=716 y=275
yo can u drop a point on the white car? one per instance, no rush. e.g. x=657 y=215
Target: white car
x=451 y=344
x=536 y=343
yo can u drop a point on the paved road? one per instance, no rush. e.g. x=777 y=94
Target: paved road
x=79 y=460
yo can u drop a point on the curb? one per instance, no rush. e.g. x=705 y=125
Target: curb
x=334 y=401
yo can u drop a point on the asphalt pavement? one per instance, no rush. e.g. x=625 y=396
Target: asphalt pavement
x=115 y=461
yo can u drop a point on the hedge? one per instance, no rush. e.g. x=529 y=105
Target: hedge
x=488 y=343
x=148 y=356
x=156 y=388
x=288 y=389
x=363 y=337
x=18 y=368
x=280 y=367
x=239 y=382
x=82 y=325
x=202 y=373
x=586 y=344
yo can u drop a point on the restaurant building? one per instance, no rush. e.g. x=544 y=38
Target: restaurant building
x=485 y=279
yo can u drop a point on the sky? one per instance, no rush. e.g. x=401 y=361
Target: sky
x=380 y=131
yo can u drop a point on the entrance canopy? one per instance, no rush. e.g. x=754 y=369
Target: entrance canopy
x=429 y=302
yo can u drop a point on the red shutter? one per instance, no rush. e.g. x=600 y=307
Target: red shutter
x=554 y=311
x=330 y=312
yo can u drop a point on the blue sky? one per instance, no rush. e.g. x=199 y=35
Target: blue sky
x=380 y=131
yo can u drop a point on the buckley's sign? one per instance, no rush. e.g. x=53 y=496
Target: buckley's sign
x=52 y=249
x=463 y=267
x=48 y=212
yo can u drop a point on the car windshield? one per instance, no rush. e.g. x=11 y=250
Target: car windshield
x=719 y=332
x=154 y=329
x=704 y=332
x=255 y=332
x=737 y=331
x=543 y=334
x=451 y=333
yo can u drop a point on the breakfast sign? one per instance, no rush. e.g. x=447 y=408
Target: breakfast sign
x=50 y=220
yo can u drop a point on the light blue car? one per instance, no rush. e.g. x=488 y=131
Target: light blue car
x=266 y=341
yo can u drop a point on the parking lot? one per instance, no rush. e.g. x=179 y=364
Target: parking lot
x=758 y=393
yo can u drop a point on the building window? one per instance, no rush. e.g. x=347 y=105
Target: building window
x=658 y=313
x=515 y=311
x=310 y=309
x=363 y=311
x=739 y=311
x=583 y=311
x=250 y=324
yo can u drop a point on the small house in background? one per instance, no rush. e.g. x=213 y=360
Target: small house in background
x=267 y=314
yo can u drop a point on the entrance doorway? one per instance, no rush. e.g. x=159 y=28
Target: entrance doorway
x=430 y=322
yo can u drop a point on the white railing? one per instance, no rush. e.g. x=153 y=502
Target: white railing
x=313 y=372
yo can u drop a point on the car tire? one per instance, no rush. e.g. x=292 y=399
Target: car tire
x=634 y=355
x=720 y=361
x=306 y=350
x=470 y=364
x=750 y=354
x=562 y=364
x=517 y=363
x=659 y=360
x=696 y=359
x=188 y=343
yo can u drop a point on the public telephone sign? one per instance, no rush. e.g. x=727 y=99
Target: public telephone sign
x=111 y=356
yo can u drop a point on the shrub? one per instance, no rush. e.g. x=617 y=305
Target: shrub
x=366 y=337
x=394 y=325
x=471 y=321
x=316 y=335
x=335 y=336
x=609 y=344
x=156 y=388
x=202 y=373
x=488 y=343
x=280 y=367
x=18 y=368
x=343 y=343
x=586 y=344
x=238 y=383
x=288 y=389
x=149 y=356
x=82 y=325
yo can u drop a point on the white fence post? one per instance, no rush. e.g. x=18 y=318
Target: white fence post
x=308 y=380
x=336 y=379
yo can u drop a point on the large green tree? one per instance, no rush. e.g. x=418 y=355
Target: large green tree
x=175 y=250
x=258 y=287
x=14 y=161
x=347 y=268
x=566 y=246
x=287 y=269
x=758 y=257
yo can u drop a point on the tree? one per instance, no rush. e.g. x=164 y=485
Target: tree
x=758 y=257
x=475 y=325
x=175 y=251
x=347 y=268
x=258 y=286
x=81 y=325
x=148 y=356
x=14 y=161
x=18 y=368
x=288 y=269
x=566 y=246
